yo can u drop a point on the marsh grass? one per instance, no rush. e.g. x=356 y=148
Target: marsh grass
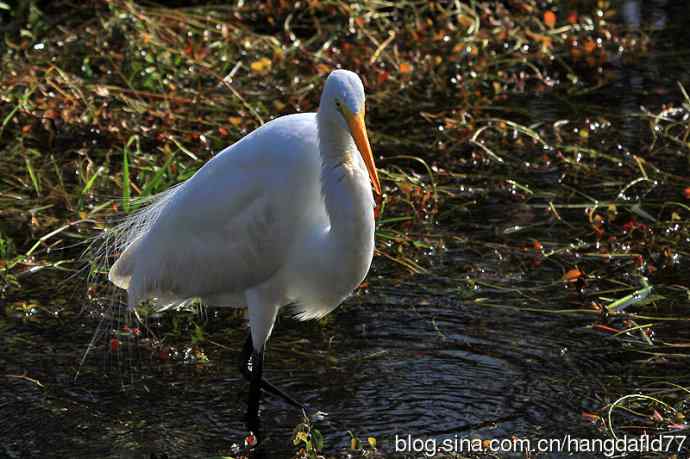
x=113 y=105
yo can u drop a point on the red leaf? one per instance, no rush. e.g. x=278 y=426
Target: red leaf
x=591 y=417
x=605 y=329
x=572 y=17
x=382 y=77
x=405 y=68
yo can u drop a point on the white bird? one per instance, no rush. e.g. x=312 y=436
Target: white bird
x=283 y=217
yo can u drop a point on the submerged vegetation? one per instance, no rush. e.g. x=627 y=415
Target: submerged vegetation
x=519 y=169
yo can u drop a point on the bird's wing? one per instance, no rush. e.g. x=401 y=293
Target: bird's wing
x=231 y=225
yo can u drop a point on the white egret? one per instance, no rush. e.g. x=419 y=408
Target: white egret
x=283 y=217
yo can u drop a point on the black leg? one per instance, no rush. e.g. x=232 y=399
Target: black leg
x=245 y=358
x=257 y=364
x=255 y=360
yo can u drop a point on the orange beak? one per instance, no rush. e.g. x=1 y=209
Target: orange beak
x=359 y=133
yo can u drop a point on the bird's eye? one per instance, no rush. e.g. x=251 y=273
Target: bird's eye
x=338 y=104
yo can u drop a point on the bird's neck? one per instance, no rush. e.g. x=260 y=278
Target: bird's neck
x=346 y=188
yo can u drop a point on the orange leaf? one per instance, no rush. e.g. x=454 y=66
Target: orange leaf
x=572 y=275
x=405 y=68
x=323 y=69
x=590 y=46
x=550 y=19
x=545 y=40
x=465 y=21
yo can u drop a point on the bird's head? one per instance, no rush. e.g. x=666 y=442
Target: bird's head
x=342 y=102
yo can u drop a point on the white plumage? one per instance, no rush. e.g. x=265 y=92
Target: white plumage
x=285 y=216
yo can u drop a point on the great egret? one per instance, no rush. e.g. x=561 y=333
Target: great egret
x=283 y=217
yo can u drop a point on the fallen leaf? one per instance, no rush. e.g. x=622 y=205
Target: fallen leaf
x=678 y=426
x=405 y=68
x=605 y=329
x=382 y=77
x=591 y=417
x=572 y=17
x=51 y=114
x=261 y=66
x=102 y=91
x=572 y=275
x=354 y=443
x=465 y=21
x=323 y=69
x=545 y=40
x=550 y=19
x=300 y=437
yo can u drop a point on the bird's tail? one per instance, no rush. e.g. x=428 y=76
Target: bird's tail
x=119 y=242
x=120 y=272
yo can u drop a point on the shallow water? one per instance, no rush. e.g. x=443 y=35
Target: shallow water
x=403 y=362
x=411 y=356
